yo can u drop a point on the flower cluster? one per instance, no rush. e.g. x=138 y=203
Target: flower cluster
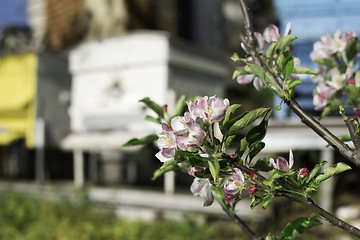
x=271 y=35
x=336 y=58
x=184 y=131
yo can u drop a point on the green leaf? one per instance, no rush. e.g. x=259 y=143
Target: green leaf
x=235 y=57
x=257 y=133
x=270 y=51
x=241 y=71
x=141 y=141
x=263 y=164
x=180 y=106
x=304 y=70
x=241 y=148
x=352 y=48
x=246 y=120
x=255 y=149
x=345 y=138
x=255 y=201
x=271 y=237
x=266 y=202
x=295 y=228
x=357 y=78
x=218 y=194
x=284 y=43
x=228 y=141
x=313 y=173
x=288 y=67
x=153 y=106
x=166 y=167
x=331 y=108
x=214 y=170
x=196 y=160
x=152 y=119
x=293 y=83
x=326 y=62
x=229 y=113
x=333 y=170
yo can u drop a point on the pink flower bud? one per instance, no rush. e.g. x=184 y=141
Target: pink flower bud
x=351 y=81
x=253 y=189
x=229 y=198
x=357 y=112
x=303 y=172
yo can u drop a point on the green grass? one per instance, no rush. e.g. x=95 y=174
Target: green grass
x=32 y=218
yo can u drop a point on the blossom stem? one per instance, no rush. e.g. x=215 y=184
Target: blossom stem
x=309 y=203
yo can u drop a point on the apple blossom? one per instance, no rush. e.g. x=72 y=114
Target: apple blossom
x=201 y=187
x=327 y=46
x=166 y=143
x=234 y=185
x=212 y=109
x=195 y=137
x=271 y=33
x=282 y=164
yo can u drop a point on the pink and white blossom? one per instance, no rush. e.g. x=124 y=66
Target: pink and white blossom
x=234 y=185
x=209 y=108
x=201 y=187
x=166 y=143
x=271 y=33
x=327 y=46
x=194 y=138
x=282 y=164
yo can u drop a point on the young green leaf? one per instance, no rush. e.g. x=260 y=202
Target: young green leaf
x=241 y=148
x=333 y=170
x=235 y=57
x=288 y=67
x=270 y=51
x=352 y=48
x=255 y=149
x=228 y=141
x=263 y=164
x=166 y=167
x=284 y=43
x=331 y=108
x=246 y=120
x=326 y=62
x=153 y=106
x=266 y=202
x=180 y=106
x=229 y=113
x=141 y=141
x=313 y=173
x=304 y=70
x=241 y=71
x=152 y=119
x=295 y=228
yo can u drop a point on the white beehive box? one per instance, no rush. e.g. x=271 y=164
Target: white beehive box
x=111 y=76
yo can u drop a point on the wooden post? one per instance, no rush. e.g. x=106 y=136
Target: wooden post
x=40 y=150
x=78 y=168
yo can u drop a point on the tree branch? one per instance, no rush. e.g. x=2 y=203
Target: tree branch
x=242 y=225
x=308 y=203
x=308 y=120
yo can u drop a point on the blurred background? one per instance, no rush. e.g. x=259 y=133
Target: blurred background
x=71 y=75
